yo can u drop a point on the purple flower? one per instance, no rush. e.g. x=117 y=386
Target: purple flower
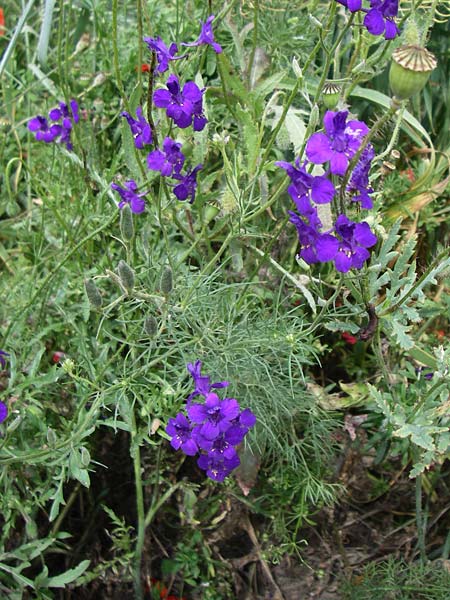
x=188 y=184
x=379 y=19
x=50 y=133
x=140 y=129
x=352 y=5
x=184 y=108
x=340 y=142
x=130 y=196
x=214 y=415
x=315 y=246
x=163 y=54
x=168 y=161
x=202 y=383
x=359 y=180
x=217 y=467
x=305 y=187
x=3 y=411
x=3 y=354
x=245 y=421
x=181 y=432
x=206 y=36
x=355 y=239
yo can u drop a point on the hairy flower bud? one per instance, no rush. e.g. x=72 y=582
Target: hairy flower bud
x=126 y=275
x=166 y=283
x=92 y=293
x=410 y=69
x=151 y=326
x=126 y=223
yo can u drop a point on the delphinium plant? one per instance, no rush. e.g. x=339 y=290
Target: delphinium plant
x=193 y=206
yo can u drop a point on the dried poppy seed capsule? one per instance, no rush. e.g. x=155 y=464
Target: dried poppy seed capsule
x=151 y=326
x=166 y=284
x=92 y=293
x=126 y=275
x=330 y=94
x=410 y=69
x=126 y=223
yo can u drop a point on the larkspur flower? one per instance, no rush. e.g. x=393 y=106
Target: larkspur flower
x=188 y=184
x=180 y=429
x=164 y=54
x=202 y=383
x=217 y=468
x=130 y=196
x=206 y=36
x=57 y=131
x=359 y=180
x=3 y=359
x=338 y=144
x=315 y=246
x=305 y=187
x=380 y=18
x=215 y=415
x=3 y=411
x=167 y=161
x=352 y=5
x=355 y=239
x=185 y=107
x=140 y=128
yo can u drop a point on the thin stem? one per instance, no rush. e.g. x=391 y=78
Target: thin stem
x=136 y=455
x=420 y=520
x=254 y=41
x=116 y=56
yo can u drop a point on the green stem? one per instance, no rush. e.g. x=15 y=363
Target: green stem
x=420 y=520
x=136 y=455
x=254 y=41
x=116 y=56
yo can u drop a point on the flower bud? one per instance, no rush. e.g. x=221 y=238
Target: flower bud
x=314 y=118
x=410 y=69
x=126 y=275
x=92 y=293
x=151 y=326
x=330 y=94
x=166 y=283
x=126 y=223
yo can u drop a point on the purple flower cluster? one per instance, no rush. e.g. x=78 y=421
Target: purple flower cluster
x=3 y=407
x=346 y=243
x=184 y=107
x=379 y=18
x=58 y=126
x=213 y=428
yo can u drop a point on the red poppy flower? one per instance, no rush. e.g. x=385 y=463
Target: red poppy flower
x=2 y=22
x=349 y=338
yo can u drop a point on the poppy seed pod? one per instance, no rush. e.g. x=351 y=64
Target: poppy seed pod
x=410 y=69
x=330 y=94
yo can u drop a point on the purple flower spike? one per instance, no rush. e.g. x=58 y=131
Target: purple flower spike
x=214 y=415
x=217 y=468
x=168 y=161
x=184 y=108
x=206 y=36
x=140 y=129
x=379 y=19
x=63 y=119
x=359 y=181
x=163 y=53
x=3 y=355
x=181 y=432
x=188 y=184
x=338 y=144
x=130 y=196
x=3 y=411
x=202 y=383
x=355 y=239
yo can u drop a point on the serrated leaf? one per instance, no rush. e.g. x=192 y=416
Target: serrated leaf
x=400 y=332
x=419 y=435
x=251 y=138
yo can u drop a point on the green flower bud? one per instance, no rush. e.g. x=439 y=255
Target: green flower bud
x=126 y=275
x=210 y=212
x=330 y=94
x=126 y=223
x=92 y=293
x=85 y=457
x=411 y=67
x=166 y=283
x=314 y=118
x=151 y=326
